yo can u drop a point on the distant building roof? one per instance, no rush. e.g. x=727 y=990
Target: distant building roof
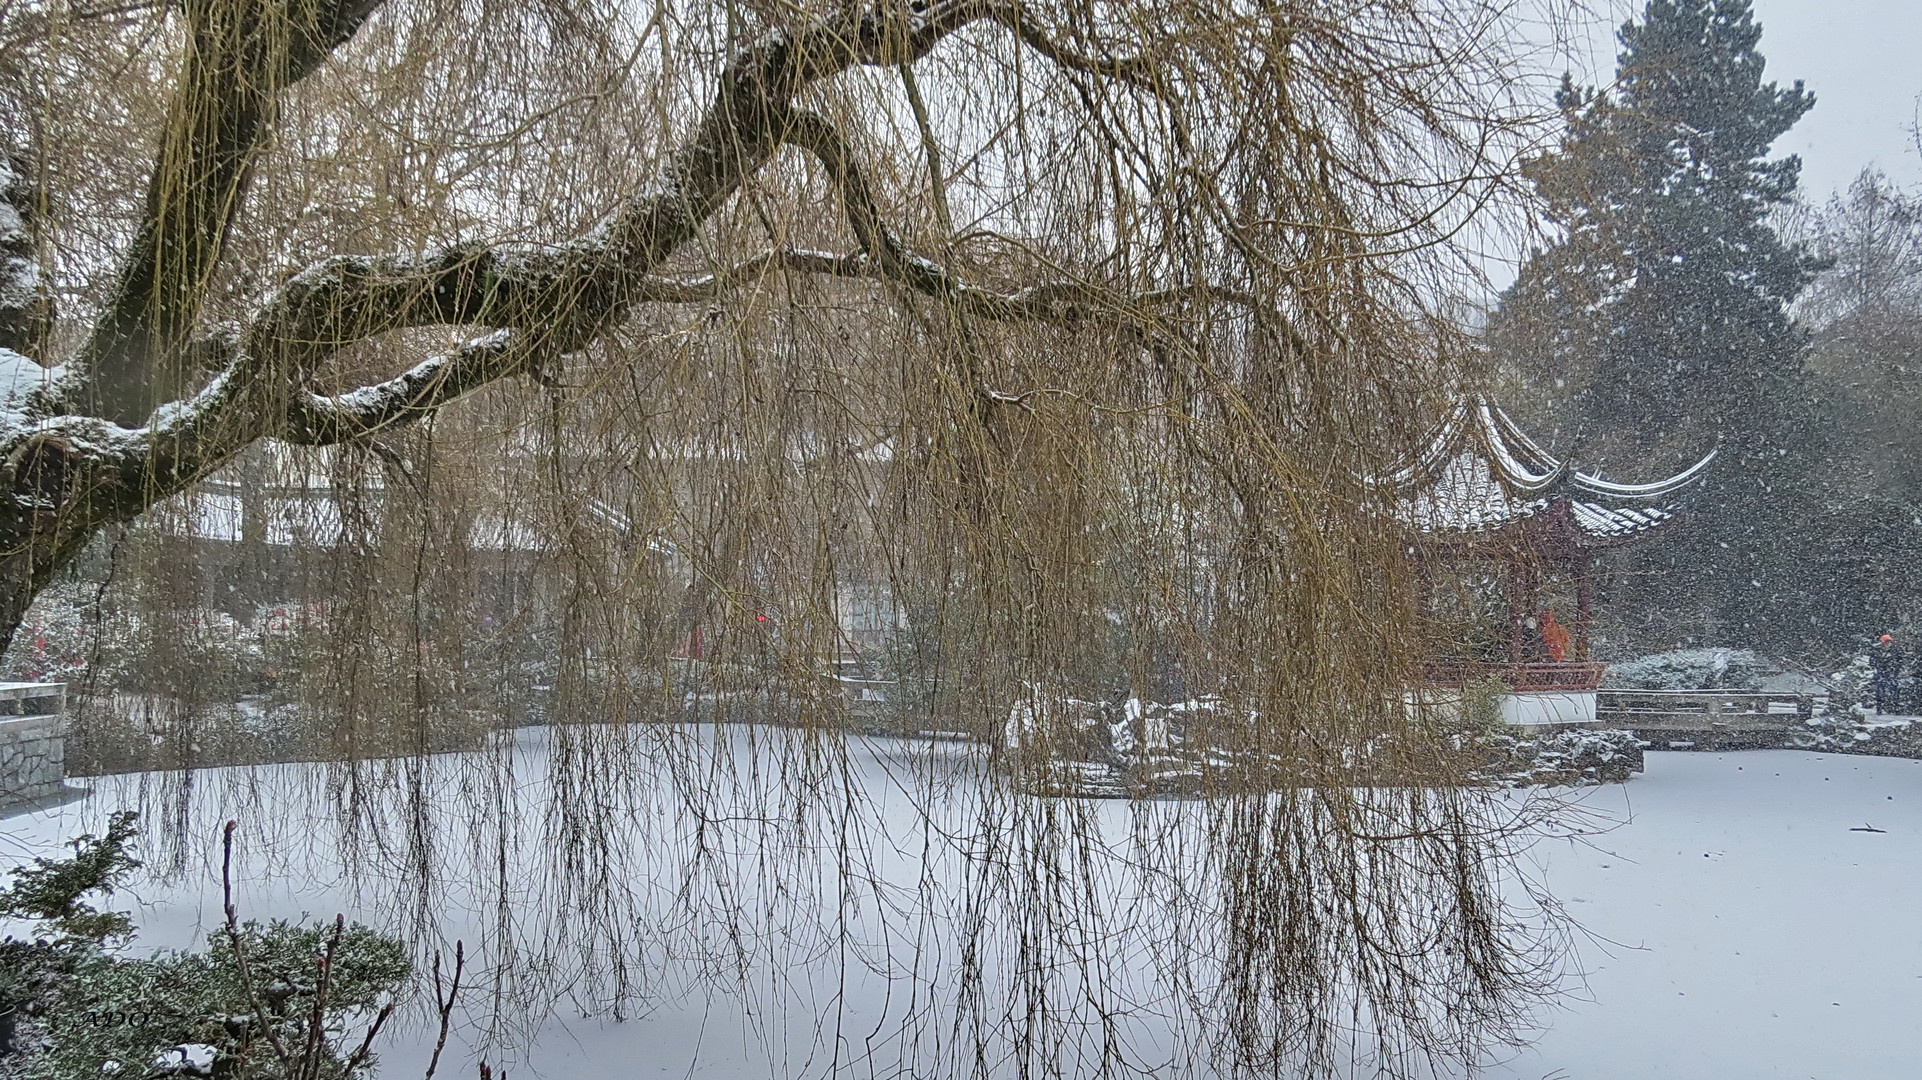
x=1480 y=473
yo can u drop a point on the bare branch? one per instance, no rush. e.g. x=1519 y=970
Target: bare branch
x=316 y=419
x=574 y=291
x=444 y=1005
x=413 y=395
x=540 y=302
x=1062 y=302
x=1137 y=71
x=242 y=57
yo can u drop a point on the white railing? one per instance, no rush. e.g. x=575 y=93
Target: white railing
x=1703 y=709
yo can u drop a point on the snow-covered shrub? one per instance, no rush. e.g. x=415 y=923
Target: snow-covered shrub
x=59 y=637
x=69 y=634
x=88 y=1009
x=1563 y=758
x=1482 y=704
x=1689 y=669
x=1851 y=686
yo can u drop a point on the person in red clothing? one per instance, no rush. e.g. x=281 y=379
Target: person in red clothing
x=1554 y=637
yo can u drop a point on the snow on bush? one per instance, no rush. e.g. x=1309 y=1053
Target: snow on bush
x=1850 y=687
x=1130 y=748
x=1689 y=669
x=55 y=641
x=1562 y=758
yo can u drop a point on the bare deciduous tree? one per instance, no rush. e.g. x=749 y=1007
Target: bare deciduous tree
x=1083 y=325
x=156 y=393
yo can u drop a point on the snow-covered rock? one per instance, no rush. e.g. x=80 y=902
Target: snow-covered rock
x=1136 y=748
x=1690 y=669
x=1575 y=758
x=1858 y=731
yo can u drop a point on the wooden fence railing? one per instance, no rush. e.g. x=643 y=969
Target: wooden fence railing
x=1702 y=709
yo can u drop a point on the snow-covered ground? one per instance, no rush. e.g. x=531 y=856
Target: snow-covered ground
x=1756 y=934
x=1741 y=926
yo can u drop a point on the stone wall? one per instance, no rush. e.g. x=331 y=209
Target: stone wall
x=32 y=745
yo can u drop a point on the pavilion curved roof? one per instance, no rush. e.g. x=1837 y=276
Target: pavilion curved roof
x=1480 y=472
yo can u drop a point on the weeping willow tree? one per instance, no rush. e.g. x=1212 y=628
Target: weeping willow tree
x=617 y=349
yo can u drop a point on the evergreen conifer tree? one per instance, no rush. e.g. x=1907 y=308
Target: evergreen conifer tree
x=1658 y=324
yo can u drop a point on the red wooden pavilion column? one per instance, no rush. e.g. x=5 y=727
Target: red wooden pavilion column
x=1521 y=597
x=1584 y=568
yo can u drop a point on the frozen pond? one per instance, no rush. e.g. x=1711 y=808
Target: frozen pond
x=1755 y=934
x=1738 y=924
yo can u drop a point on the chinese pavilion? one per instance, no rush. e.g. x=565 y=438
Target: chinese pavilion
x=1486 y=501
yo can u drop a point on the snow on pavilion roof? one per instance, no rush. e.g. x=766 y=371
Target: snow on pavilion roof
x=1480 y=472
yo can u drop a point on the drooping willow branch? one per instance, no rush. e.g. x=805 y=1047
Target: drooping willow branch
x=418 y=392
x=241 y=58
x=83 y=461
x=574 y=291
x=884 y=256
x=1127 y=460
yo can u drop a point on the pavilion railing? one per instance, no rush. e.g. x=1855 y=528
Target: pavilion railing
x=1546 y=676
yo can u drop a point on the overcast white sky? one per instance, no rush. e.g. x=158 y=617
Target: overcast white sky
x=1863 y=60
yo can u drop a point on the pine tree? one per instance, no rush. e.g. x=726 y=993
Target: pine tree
x=1659 y=323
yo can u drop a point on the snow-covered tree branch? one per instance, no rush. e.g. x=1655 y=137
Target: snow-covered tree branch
x=1048 y=342
x=91 y=449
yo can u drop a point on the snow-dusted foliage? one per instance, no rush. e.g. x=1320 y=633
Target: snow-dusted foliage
x=1690 y=669
x=55 y=642
x=1136 y=748
x=1106 y=748
x=1854 y=732
x=236 y=689
x=1850 y=723
x=1563 y=758
x=1850 y=685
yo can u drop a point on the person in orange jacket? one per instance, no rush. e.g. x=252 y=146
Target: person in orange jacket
x=1554 y=637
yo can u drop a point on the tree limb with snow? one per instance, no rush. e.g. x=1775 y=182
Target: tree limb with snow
x=121 y=425
x=145 y=393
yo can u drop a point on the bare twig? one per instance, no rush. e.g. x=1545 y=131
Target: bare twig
x=358 y=1058
x=444 y=1006
x=237 y=942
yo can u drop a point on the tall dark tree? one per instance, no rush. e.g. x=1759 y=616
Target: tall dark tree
x=1658 y=324
x=1865 y=319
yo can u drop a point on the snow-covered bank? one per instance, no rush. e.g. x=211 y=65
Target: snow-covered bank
x=1758 y=937
x=1861 y=732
